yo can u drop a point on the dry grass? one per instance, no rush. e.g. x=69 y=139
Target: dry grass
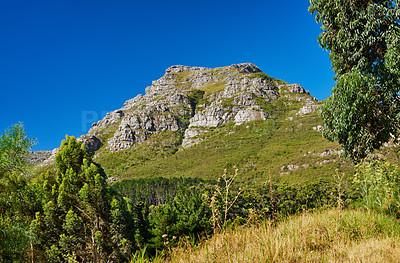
x=329 y=236
x=213 y=86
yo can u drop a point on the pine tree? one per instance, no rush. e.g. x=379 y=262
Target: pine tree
x=187 y=215
x=83 y=219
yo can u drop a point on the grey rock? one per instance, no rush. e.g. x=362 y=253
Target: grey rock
x=51 y=159
x=36 y=157
x=123 y=138
x=246 y=68
x=250 y=114
x=191 y=136
x=91 y=142
x=297 y=88
x=318 y=128
x=112 y=179
x=110 y=118
x=307 y=109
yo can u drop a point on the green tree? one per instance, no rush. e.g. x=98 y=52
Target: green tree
x=363 y=38
x=188 y=214
x=83 y=218
x=16 y=197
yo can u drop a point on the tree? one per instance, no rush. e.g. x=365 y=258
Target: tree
x=15 y=195
x=186 y=215
x=82 y=218
x=14 y=149
x=363 y=38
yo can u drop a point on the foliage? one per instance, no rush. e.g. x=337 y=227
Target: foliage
x=16 y=197
x=14 y=146
x=261 y=75
x=155 y=191
x=188 y=214
x=213 y=86
x=195 y=97
x=255 y=203
x=266 y=78
x=363 y=38
x=82 y=218
x=186 y=211
x=379 y=183
x=159 y=146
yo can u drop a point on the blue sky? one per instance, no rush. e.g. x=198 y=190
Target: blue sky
x=64 y=62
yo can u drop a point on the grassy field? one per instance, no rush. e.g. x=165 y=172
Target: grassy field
x=327 y=236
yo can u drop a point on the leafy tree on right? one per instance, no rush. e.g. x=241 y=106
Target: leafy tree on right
x=363 y=38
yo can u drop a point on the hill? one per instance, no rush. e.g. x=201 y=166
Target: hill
x=195 y=122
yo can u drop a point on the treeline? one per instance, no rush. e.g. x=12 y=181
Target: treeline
x=264 y=200
x=156 y=191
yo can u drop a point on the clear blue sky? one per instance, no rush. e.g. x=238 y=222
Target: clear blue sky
x=60 y=59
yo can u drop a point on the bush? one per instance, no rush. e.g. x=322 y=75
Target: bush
x=379 y=183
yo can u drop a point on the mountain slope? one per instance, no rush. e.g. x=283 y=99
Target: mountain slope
x=197 y=121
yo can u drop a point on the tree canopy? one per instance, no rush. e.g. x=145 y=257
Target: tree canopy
x=16 y=197
x=363 y=40
x=82 y=217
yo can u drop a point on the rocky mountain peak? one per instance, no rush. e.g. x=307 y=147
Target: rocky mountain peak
x=192 y=100
x=181 y=68
x=246 y=68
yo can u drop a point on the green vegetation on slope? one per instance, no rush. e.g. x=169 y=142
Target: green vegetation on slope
x=267 y=78
x=213 y=86
x=158 y=147
x=255 y=147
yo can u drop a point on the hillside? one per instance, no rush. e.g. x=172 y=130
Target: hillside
x=195 y=122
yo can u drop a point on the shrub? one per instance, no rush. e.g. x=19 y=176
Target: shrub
x=379 y=183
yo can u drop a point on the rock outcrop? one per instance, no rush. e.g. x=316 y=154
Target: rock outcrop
x=307 y=109
x=191 y=100
x=38 y=156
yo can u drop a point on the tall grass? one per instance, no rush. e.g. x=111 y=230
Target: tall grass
x=379 y=182
x=328 y=236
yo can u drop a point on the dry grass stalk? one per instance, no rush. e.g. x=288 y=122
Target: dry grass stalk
x=311 y=237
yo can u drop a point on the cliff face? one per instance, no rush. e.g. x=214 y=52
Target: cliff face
x=191 y=100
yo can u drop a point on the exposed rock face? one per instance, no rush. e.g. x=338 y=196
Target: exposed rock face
x=38 y=156
x=297 y=88
x=307 y=109
x=190 y=100
x=91 y=142
x=50 y=157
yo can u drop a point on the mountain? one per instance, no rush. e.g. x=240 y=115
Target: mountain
x=196 y=121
